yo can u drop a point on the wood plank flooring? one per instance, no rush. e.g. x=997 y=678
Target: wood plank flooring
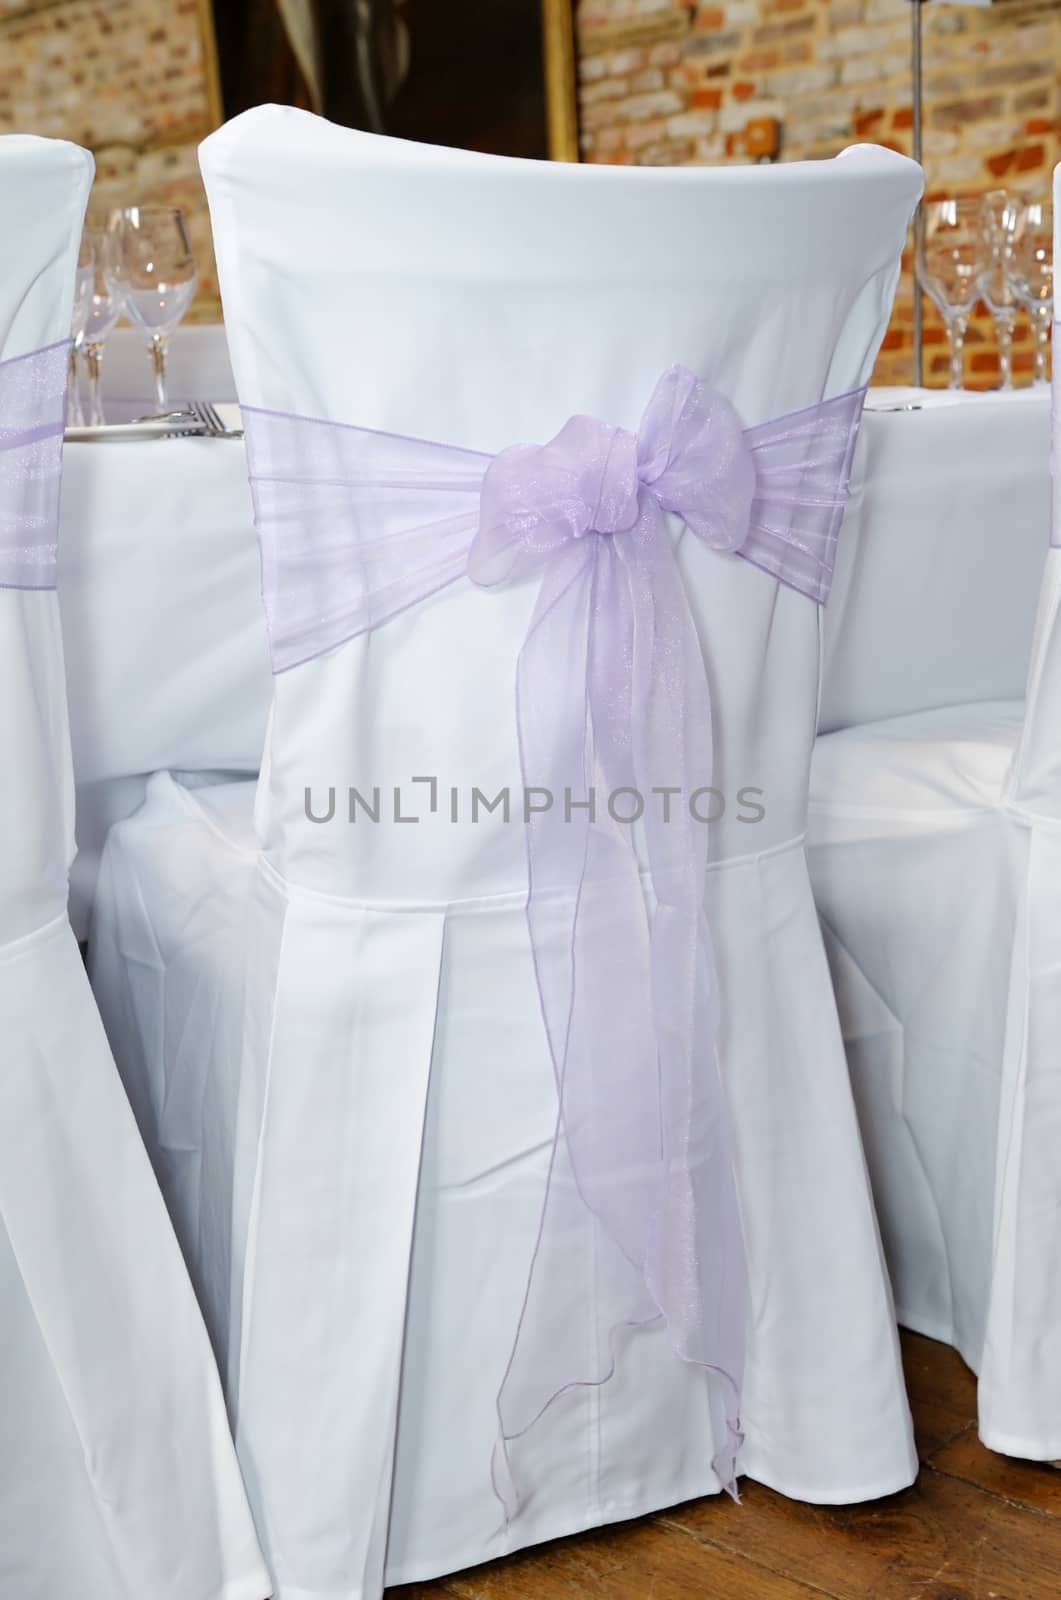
x=975 y=1526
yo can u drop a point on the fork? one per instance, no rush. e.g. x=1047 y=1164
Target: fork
x=211 y=420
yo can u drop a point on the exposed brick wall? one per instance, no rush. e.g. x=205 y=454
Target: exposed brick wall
x=665 y=81
x=129 y=79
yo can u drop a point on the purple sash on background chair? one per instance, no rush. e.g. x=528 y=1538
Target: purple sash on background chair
x=32 y=414
x=612 y=696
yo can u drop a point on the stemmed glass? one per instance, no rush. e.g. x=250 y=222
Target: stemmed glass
x=103 y=307
x=155 y=270
x=950 y=263
x=82 y=294
x=1032 y=274
x=998 y=221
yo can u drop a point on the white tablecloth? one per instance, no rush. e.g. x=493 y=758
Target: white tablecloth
x=165 y=637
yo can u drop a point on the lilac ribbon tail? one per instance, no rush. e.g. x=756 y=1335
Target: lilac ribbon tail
x=32 y=412
x=612 y=694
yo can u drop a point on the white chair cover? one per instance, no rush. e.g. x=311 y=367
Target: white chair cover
x=118 y=1479
x=935 y=850
x=355 y=1006
x=922 y=613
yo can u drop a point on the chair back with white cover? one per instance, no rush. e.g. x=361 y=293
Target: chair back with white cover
x=45 y=190
x=397 y=1096
x=935 y=854
x=117 y=1474
x=1020 y=1374
x=1036 y=779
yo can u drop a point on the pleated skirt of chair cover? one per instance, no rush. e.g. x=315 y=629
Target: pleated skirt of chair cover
x=350 y=1109
x=937 y=887
x=118 y=1478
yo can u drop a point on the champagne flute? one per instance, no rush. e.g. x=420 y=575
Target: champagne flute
x=155 y=269
x=1032 y=274
x=950 y=263
x=103 y=308
x=998 y=222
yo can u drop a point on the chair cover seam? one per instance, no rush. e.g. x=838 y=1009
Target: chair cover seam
x=15 y=948
x=513 y=899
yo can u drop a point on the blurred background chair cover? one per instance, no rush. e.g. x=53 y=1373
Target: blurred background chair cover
x=332 y=1034
x=935 y=851
x=118 y=1477
x=923 y=612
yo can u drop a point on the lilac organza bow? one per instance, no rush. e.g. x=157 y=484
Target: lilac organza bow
x=32 y=408
x=356 y=526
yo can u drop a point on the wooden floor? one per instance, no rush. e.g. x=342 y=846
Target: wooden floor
x=975 y=1526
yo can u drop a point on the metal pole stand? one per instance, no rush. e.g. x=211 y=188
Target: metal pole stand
x=919 y=219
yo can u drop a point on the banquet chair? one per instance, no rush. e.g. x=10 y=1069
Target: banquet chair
x=420 y=1186
x=935 y=851
x=118 y=1477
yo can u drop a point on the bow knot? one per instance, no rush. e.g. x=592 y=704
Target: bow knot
x=689 y=457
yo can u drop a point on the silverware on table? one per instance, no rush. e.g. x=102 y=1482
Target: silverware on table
x=211 y=419
x=196 y=419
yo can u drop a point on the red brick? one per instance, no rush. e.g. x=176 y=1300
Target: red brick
x=708 y=20
x=706 y=99
x=1031 y=158
x=761 y=61
x=955 y=113
x=743 y=91
x=999 y=165
x=903 y=118
x=864 y=122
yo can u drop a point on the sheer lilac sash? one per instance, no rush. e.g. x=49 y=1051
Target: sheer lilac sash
x=32 y=410
x=355 y=527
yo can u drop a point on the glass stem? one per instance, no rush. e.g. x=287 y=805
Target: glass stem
x=158 y=366
x=1004 y=340
x=74 y=415
x=93 y=361
x=1041 y=331
x=956 y=326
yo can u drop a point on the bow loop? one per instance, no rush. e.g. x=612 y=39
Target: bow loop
x=693 y=457
x=690 y=457
x=538 y=498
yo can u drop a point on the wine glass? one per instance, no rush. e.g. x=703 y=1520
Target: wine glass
x=998 y=222
x=1032 y=274
x=103 y=307
x=155 y=268
x=950 y=263
x=78 y=319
